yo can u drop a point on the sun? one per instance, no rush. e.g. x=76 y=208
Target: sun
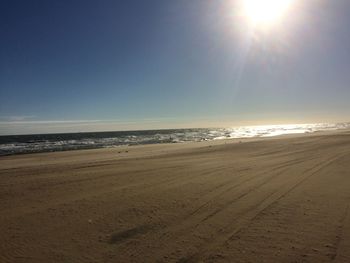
x=265 y=12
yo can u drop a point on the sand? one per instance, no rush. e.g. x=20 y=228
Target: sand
x=281 y=199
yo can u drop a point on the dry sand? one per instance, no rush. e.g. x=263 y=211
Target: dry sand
x=280 y=199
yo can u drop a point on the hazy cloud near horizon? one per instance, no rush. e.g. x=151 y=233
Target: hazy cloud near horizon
x=67 y=126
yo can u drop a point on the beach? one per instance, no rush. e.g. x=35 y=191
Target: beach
x=278 y=199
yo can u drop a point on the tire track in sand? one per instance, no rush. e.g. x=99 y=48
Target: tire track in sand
x=245 y=219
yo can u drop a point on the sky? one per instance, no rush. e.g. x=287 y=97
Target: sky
x=83 y=65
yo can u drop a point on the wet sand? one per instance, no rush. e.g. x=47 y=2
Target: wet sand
x=282 y=199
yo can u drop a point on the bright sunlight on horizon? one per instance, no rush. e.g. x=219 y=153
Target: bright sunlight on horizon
x=265 y=13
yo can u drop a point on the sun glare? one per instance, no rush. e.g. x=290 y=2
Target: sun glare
x=265 y=12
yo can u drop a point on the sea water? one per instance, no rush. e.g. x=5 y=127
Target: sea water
x=16 y=144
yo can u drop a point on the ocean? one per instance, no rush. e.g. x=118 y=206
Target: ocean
x=19 y=144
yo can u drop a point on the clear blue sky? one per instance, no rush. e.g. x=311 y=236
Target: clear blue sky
x=112 y=64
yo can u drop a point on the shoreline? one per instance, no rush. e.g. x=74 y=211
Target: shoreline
x=175 y=146
x=45 y=143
